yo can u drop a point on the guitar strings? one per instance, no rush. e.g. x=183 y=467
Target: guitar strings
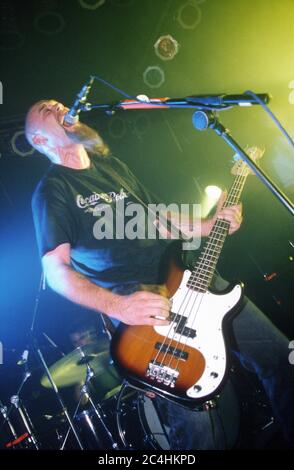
x=183 y=308
x=218 y=225
x=223 y=225
x=190 y=293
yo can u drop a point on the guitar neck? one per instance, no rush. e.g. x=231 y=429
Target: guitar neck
x=204 y=269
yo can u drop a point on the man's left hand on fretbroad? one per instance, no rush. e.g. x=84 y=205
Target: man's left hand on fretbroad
x=232 y=214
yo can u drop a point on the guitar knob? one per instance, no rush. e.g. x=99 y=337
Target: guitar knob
x=197 y=388
x=214 y=375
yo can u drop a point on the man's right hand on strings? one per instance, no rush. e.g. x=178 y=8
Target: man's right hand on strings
x=142 y=308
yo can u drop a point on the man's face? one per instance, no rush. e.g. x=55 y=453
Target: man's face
x=46 y=124
x=46 y=131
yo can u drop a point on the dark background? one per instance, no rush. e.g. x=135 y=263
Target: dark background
x=48 y=50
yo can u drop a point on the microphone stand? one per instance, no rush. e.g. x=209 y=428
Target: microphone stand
x=206 y=104
x=202 y=120
x=33 y=346
x=39 y=354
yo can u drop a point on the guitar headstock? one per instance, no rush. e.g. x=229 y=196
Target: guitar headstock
x=240 y=167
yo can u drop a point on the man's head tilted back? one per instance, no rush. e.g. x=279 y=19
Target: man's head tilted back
x=46 y=131
x=44 y=127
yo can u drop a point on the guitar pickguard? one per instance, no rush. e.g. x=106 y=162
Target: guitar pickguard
x=202 y=316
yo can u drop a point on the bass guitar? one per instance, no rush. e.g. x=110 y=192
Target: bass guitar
x=186 y=361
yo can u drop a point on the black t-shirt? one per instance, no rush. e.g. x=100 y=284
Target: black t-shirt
x=66 y=207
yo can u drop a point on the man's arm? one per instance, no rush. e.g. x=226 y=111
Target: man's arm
x=139 y=308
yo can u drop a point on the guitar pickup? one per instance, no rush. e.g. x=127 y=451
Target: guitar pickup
x=171 y=350
x=180 y=328
x=188 y=332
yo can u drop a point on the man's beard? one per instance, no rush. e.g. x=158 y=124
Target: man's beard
x=82 y=134
x=89 y=138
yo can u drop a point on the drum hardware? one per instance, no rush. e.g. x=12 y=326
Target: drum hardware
x=268 y=424
x=15 y=403
x=126 y=409
x=25 y=418
x=94 y=408
x=91 y=366
x=72 y=368
x=98 y=411
x=58 y=396
x=3 y=411
x=132 y=419
x=216 y=422
x=53 y=344
x=32 y=346
x=118 y=412
x=149 y=433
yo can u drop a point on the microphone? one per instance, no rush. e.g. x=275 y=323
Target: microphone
x=220 y=101
x=72 y=116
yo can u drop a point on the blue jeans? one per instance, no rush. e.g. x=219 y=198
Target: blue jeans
x=262 y=349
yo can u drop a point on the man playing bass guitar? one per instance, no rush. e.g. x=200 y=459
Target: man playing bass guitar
x=105 y=275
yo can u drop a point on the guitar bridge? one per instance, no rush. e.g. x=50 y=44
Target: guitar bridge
x=162 y=374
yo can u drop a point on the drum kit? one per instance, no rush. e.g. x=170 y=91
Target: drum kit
x=81 y=402
x=95 y=409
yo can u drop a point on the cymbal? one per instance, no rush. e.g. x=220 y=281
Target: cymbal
x=72 y=368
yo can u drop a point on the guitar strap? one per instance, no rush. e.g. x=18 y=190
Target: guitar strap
x=108 y=325
x=170 y=226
